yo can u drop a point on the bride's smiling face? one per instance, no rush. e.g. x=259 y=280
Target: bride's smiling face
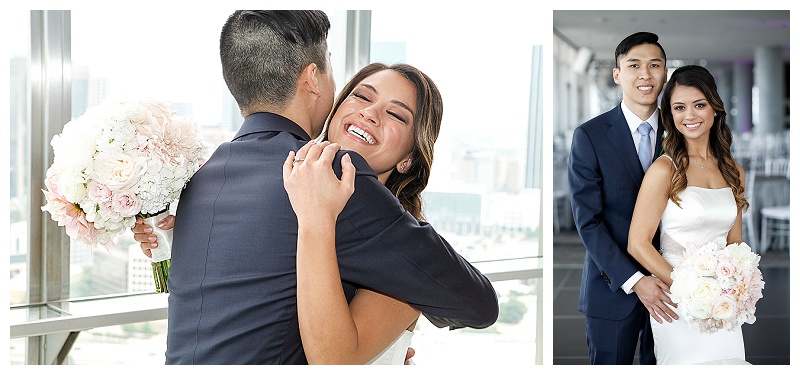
x=691 y=111
x=377 y=120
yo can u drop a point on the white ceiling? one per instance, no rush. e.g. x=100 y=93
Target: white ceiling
x=713 y=35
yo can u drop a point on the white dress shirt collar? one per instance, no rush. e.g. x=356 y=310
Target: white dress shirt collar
x=634 y=121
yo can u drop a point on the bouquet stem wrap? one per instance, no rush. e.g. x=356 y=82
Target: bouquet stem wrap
x=161 y=254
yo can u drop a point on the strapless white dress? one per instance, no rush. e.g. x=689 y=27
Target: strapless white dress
x=395 y=354
x=704 y=215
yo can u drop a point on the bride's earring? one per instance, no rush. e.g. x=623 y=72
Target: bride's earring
x=403 y=166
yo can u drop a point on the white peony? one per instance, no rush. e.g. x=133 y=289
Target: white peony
x=742 y=255
x=705 y=264
x=683 y=281
x=72 y=187
x=74 y=149
x=699 y=309
x=706 y=289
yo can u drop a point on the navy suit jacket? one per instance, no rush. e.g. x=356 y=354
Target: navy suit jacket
x=604 y=179
x=232 y=279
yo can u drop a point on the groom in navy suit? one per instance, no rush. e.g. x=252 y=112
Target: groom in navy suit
x=609 y=156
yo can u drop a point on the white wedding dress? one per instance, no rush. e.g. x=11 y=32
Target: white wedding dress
x=395 y=354
x=704 y=215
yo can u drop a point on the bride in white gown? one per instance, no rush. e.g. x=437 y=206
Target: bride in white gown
x=695 y=193
x=372 y=328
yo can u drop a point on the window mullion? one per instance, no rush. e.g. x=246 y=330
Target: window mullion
x=50 y=88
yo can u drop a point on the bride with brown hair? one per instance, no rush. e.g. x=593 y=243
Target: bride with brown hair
x=695 y=192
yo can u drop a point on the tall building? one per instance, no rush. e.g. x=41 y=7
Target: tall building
x=87 y=91
x=231 y=116
x=109 y=272
x=458 y=213
x=140 y=271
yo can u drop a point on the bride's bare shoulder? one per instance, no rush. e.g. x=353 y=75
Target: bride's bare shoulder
x=662 y=167
x=659 y=176
x=666 y=160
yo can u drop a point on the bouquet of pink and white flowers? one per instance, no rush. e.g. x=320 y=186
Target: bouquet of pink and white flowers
x=717 y=285
x=119 y=160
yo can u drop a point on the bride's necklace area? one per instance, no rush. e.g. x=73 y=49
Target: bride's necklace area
x=703 y=167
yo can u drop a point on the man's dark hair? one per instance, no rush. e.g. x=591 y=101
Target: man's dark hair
x=264 y=51
x=633 y=40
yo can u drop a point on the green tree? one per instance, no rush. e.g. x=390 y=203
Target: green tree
x=512 y=311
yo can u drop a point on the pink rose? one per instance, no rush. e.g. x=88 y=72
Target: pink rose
x=98 y=192
x=726 y=269
x=125 y=203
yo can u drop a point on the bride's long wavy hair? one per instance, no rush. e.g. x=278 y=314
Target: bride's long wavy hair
x=720 y=135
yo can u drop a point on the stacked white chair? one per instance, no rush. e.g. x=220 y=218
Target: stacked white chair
x=775 y=219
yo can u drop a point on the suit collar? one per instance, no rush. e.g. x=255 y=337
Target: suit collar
x=633 y=121
x=270 y=122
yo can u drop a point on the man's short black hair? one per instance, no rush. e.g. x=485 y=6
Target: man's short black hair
x=633 y=40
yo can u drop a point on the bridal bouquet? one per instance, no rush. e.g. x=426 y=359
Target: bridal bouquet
x=119 y=160
x=717 y=285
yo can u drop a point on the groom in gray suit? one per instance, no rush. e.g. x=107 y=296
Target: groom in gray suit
x=609 y=156
x=232 y=279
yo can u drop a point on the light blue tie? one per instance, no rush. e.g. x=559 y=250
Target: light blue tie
x=645 y=154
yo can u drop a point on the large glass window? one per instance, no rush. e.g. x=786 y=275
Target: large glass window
x=483 y=196
x=477 y=196
x=19 y=159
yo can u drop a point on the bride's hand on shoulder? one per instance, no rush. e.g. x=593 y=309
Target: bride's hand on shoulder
x=313 y=188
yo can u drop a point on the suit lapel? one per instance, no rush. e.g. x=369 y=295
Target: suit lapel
x=619 y=134
x=659 y=139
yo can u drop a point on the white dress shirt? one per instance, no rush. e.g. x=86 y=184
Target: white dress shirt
x=633 y=123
